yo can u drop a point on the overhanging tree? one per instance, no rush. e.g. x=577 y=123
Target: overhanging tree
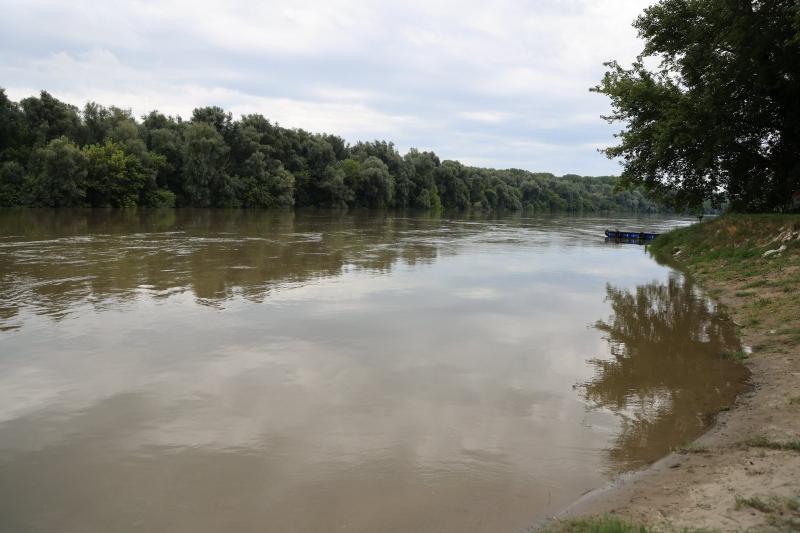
x=719 y=118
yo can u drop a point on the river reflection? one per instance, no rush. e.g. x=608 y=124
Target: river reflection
x=210 y=370
x=50 y=260
x=671 y=369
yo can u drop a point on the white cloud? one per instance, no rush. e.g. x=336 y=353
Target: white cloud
x=492 y=117
x=505 y=83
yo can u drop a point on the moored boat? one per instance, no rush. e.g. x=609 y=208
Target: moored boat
x=640 y=236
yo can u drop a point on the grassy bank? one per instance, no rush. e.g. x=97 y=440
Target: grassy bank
x=752 y=262
x=745 y=474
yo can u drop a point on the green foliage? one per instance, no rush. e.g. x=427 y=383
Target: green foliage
x=50 y=154
x=719 y=119
x=46 y=118
x=374 y=186
x=158 y=198
x=12 y=133
x=266 y=183
x=58 y=177
x=114 y=178
x=12 y=182
x=204 y=174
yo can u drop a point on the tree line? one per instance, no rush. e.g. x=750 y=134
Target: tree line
x=53 y=154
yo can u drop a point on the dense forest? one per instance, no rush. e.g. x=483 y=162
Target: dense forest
x=52 y=154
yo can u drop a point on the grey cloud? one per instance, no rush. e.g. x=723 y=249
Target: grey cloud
x=501 y=84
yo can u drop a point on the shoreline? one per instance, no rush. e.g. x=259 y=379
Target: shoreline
x=744 y=472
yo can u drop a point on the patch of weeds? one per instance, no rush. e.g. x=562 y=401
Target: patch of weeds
x=609 y=524
x=694 y=448
x=600 y=524
x=783 y=513
x=714 y=292
x=794 y=338
x=794 y=400
x=743 y=294
x=769 y=505
x=763 y=442
x=741 y=355
x=756 y=284
x=760 y=303
x=783 y=522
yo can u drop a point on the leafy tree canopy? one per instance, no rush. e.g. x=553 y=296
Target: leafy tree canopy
x=718 y=118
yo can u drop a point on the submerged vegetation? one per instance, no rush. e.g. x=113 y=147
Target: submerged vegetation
x=52 y=154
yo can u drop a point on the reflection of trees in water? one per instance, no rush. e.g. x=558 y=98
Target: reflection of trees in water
x=668 y=375
x=52 y=260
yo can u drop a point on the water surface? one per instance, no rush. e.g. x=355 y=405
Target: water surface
x=207 y=370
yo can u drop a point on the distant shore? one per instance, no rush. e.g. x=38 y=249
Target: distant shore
x=744 y=473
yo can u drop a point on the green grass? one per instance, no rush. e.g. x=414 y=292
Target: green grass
x=726 y=255
x=610 y=524
x=737 y=240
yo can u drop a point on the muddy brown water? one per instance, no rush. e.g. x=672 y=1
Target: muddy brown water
x=192 y=371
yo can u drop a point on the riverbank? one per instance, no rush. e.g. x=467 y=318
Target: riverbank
x=744 y=474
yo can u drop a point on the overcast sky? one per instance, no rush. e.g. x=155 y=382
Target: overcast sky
x=490 y=83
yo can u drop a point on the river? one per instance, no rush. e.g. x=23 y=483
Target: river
x=204 y=371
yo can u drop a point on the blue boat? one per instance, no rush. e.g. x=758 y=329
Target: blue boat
x=630 y=236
